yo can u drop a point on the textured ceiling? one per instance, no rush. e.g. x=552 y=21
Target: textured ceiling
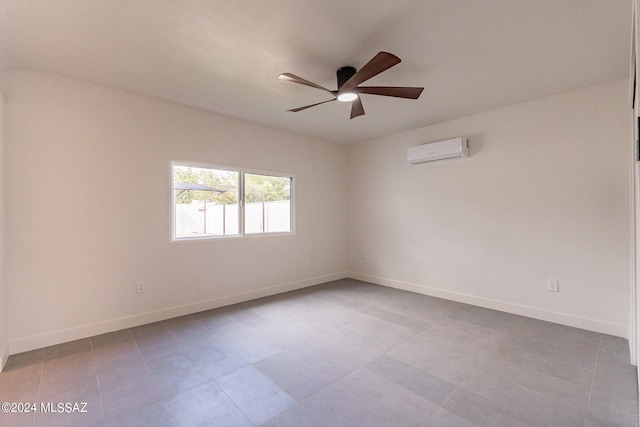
x=224 y=56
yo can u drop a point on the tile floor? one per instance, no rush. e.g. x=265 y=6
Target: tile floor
x=346 y=353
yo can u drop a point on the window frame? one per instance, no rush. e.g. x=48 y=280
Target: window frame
x=241 y=202
x=291 y=202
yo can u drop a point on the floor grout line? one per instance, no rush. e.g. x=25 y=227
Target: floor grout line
x=593 y=381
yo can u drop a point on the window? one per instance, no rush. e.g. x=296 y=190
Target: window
x=205 y=202
x=267 y=203
x=213 y=202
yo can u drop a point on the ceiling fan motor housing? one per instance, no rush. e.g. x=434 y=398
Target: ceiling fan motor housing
x=344 y=74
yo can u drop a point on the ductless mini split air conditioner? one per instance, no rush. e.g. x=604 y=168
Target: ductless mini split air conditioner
x=448 y=149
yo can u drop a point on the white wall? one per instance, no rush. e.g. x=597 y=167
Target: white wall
x=545 y=194
x=4 y=314
x=76 y=150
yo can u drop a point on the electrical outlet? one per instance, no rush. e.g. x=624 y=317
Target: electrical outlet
x=552 y=285
x=365 y=259
x=307 y=262
x=140 y=288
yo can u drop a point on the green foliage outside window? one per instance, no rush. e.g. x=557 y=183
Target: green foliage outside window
x=265 y=188
x=225 y=182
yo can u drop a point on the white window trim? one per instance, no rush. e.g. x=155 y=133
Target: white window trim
x=241 y=195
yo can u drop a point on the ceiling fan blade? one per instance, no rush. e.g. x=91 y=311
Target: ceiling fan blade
x=356 y=108
x=295 y=110
x=295 y=79
x=398 y=92
x=379 y=63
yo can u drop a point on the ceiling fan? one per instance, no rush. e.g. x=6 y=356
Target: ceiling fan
x=349 y=81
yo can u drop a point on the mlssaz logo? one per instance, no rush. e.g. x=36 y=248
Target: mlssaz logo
x=61 y=407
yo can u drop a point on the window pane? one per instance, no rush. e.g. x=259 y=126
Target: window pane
x=205 y=202
x=267 y=203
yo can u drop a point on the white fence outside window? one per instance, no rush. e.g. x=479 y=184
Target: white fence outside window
x=202 y=218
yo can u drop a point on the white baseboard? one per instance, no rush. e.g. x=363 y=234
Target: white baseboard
x=85 y=331
x=89 y=330
x=522 y=310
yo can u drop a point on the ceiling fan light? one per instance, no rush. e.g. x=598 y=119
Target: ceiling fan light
x=347 y=96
